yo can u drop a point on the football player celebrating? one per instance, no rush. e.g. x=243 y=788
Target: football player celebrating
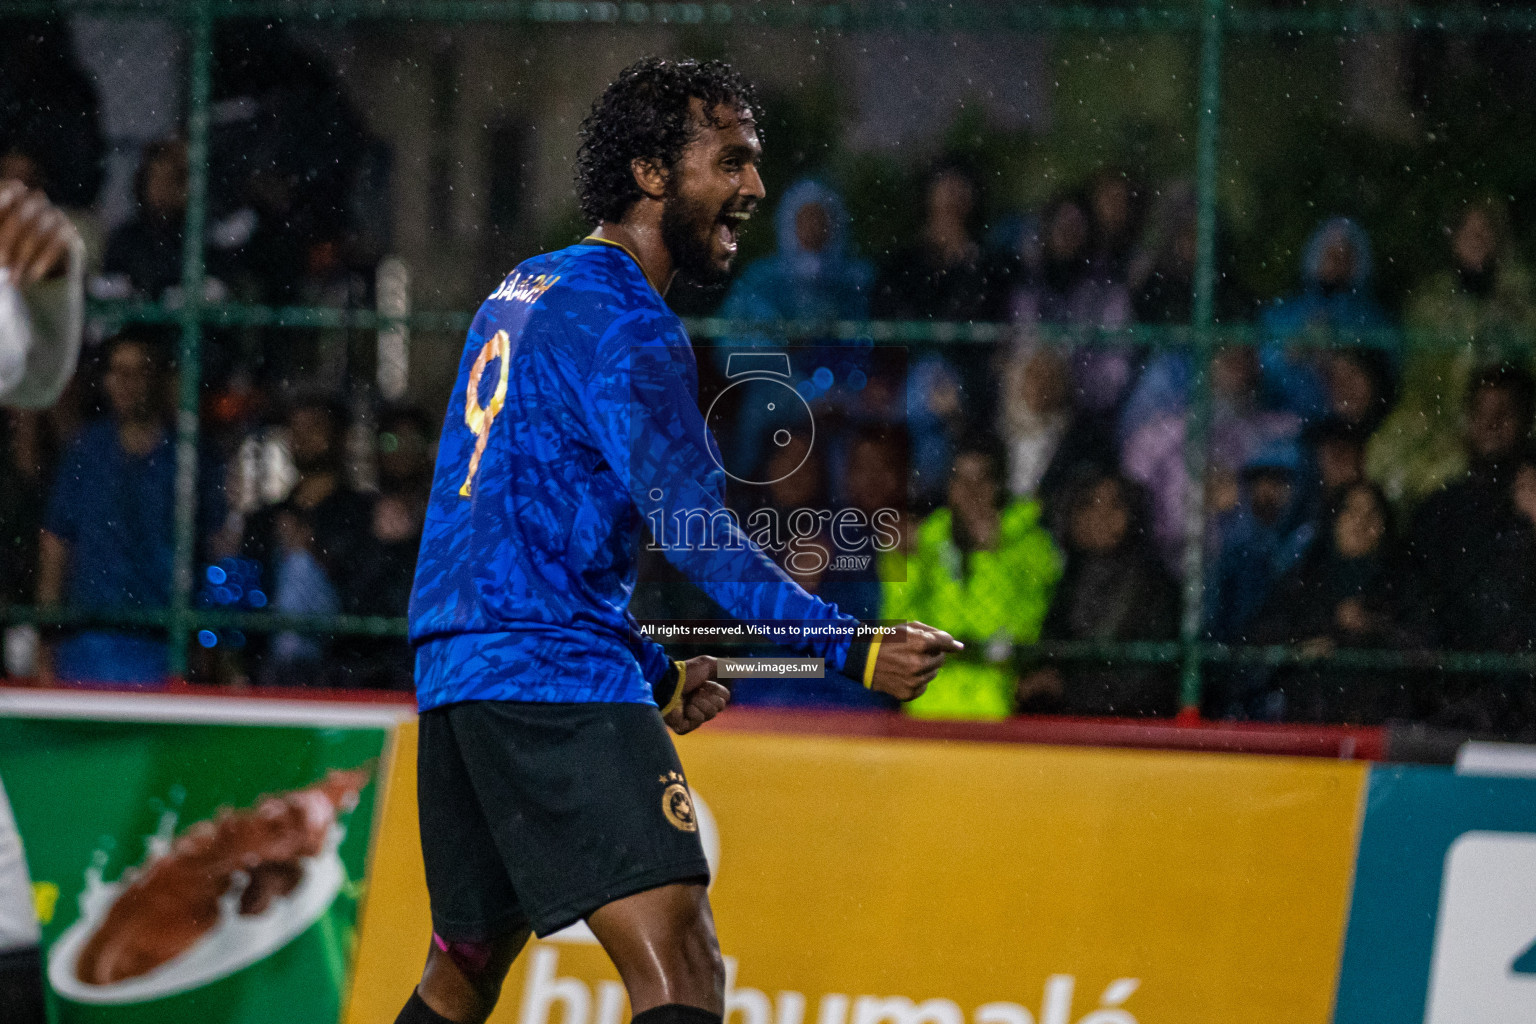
x=549 y=790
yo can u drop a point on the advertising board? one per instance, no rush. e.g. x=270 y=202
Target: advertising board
x=190 y=865
x=917 y=882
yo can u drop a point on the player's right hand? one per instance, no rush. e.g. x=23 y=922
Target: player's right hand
x=34 y=234
x=907 y=663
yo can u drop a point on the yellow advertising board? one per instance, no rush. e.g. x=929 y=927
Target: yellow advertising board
x=881 y=881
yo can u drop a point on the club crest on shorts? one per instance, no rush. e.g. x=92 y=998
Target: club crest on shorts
x=676 y=804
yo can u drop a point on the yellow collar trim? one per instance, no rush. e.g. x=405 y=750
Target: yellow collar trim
x=595 y=240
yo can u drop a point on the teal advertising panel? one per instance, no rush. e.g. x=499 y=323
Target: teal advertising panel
x=1442 y=925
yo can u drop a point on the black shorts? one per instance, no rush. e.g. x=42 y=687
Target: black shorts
x=534 y=815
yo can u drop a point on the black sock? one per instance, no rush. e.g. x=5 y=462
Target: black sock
x=676 y=1013
x=418 y=1012
x=21 y=987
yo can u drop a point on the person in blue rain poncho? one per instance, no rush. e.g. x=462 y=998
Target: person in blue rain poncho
x=1262 y=539
x=812 y=276
x=1336 y=302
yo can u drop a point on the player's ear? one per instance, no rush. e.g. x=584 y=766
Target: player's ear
x=650 y=177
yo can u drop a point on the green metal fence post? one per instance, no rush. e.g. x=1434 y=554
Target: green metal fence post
x=1199 y=419
x=189 y=353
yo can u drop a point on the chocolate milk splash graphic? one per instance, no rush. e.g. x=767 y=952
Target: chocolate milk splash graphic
x=241 y=875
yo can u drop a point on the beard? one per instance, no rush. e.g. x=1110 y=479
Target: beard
x=687 y=230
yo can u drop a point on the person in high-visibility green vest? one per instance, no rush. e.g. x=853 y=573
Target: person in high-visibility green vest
x=985 y=567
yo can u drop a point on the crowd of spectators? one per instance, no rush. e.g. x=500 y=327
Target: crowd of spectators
x=306 y=505
x=1369 y=476
x=294 y=198
x=1364 y=487
x=283 y=523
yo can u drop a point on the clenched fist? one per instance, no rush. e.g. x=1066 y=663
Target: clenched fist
x=907 y=662
x=703 y=698
x=34 y=235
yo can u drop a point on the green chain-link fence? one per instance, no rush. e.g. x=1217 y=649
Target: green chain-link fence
x=1209 y=22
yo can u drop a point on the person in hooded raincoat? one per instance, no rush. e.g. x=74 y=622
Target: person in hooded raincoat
x=987 y=561
x=1479 y=307
x=1257 y=543
x=813 y=276
x=1335 y=302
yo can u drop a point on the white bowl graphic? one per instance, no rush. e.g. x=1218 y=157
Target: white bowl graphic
x=235 y=943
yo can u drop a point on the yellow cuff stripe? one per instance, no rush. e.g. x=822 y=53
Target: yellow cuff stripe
x=869 y=666
x=676 y=700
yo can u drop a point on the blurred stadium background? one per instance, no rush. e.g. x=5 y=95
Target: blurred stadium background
x=1191 y=345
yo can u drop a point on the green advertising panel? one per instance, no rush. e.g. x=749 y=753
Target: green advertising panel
x=194 y=872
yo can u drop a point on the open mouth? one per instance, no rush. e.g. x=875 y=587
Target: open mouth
x=727 y=228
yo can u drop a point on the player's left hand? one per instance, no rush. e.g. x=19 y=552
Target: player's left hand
x=703 y=697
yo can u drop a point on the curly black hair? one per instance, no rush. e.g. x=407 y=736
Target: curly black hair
x=644 y=114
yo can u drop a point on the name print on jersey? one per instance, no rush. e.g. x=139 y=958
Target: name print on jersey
x=518 y=288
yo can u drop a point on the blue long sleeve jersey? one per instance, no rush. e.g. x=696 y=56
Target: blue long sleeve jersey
x=574 y=419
